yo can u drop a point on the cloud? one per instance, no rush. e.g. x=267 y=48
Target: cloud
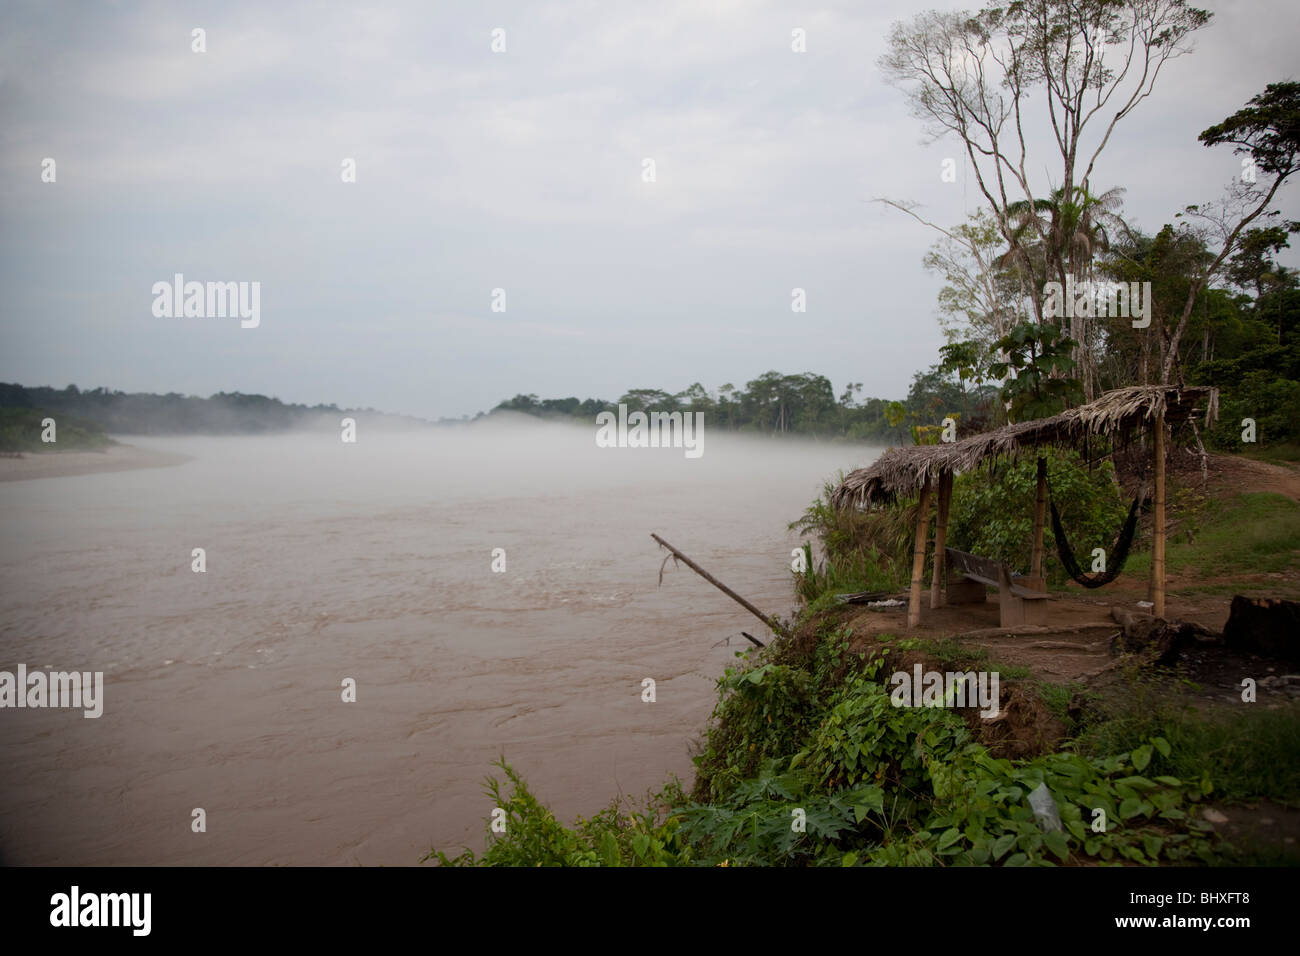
x=519 y=170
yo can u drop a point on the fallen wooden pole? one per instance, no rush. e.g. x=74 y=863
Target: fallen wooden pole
x=771 y=622
x=983 y=633
x=753 y=638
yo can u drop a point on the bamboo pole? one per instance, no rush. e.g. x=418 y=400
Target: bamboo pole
x=918 y=556
x=1158 y=544
x=941 y=541
x=771 y=622
x=1040 y=518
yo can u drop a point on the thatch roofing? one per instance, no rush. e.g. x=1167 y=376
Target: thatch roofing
x=1115 y=413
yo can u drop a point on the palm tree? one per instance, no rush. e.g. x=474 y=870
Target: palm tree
x=1072 y=231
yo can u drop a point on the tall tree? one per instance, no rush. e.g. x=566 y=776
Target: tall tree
x=1077 y=228
x=1267 y=131
x=1090 y=63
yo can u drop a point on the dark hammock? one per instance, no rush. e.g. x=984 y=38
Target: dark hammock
x=1117 y=555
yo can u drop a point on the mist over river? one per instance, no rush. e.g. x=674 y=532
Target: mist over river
x=372 y=561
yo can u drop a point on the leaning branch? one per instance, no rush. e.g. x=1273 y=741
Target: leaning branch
x=770 y=621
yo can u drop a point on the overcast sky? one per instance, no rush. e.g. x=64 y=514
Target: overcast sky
x=519 y=170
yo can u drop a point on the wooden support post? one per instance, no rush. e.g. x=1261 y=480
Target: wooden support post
x=941 y=541
x=918 y=556
x=1158 y=542
x=1040 y=518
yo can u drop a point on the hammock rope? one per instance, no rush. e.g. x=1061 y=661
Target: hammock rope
x=1118 y=552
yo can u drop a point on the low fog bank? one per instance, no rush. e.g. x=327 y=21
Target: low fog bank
x=225 y=413
x=504 y=455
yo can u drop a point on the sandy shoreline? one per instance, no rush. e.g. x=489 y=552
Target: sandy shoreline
x=62 y=464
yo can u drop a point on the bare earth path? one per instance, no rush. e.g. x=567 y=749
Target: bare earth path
x=1073 y=643
x=1247 y=474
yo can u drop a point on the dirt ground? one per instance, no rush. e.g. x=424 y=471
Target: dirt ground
x=1246 y=474
x=1074 y=642
x=1260 y=824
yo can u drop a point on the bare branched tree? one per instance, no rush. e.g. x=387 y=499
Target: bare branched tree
x=1087 y=64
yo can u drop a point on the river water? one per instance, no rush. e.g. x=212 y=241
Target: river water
x=373 y=561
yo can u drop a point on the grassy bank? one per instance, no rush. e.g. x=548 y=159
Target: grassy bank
x=21 y=430
x=1287 y=452
x=807 y=763
x=1245 y=533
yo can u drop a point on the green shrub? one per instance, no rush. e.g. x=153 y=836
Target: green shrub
x=756 y=823
x=763 y=712
x=1109 y=812
x=617 y=836
x=1273 y=403
x=808 y=763
x=863 y=737
x=865 y=550
x=21 y=429
x=992 y=514
x=1250 y=755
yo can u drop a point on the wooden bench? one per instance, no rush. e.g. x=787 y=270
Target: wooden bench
x=1021 y=600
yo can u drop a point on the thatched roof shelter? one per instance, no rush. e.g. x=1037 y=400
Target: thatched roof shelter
x=1118 y=413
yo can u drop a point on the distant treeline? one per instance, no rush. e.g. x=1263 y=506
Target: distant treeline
x=143 y=413
x=772 y=404
x=24 y=430
x=805 y=404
